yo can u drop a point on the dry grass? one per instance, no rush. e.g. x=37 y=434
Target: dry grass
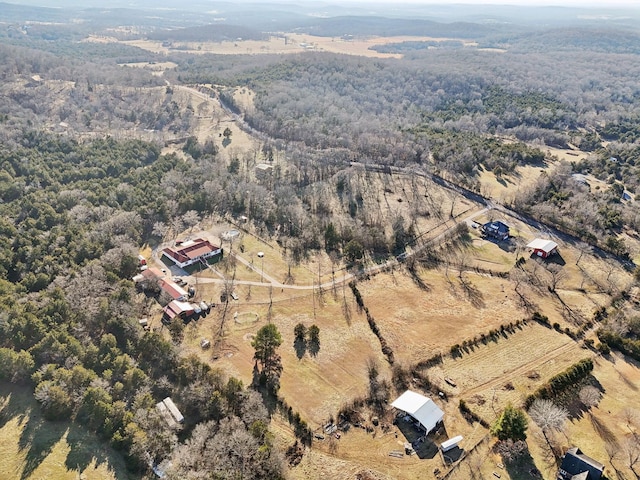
x=294 y=43
x=32 y=448
x=608 y=423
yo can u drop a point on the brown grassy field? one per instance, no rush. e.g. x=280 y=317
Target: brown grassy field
x=606 y=426
x=294 y=43
x=33 y=449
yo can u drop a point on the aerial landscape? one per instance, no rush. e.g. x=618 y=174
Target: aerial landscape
x=309 y=240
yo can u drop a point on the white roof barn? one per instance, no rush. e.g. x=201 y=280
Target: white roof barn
x=542 y=247
x=421 y=408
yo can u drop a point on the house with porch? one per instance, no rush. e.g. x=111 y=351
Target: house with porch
x=496 y=229
x=192 y=252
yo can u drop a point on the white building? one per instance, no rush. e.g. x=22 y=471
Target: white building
x=420 y=408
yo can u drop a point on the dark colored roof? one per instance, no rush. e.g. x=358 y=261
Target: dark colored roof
x=581 y=476
x=496 y=226
x=575 y=462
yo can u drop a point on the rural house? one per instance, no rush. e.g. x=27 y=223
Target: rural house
x=420 y=408
x=191 y=252
x=497 y=230
x=149 y=280
x=178 y=309
x=543 y=248
x=577 y=466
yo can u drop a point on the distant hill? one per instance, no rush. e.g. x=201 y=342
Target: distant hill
x=605 y=40
x=381 y=26
x=216 y=32
x=18 y=13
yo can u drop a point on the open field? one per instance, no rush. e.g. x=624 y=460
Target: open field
x=32 y=448
x=606 y=426
x=509 y=369
x=285 y=43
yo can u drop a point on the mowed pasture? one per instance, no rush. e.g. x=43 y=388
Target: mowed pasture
x=32 y=448
x=599 y=432
x=316 y=386
x=509 y=368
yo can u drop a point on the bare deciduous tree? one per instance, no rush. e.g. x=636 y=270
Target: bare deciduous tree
x=548 y=416
x=590 y=396
x=556 y=275
x=632 y=452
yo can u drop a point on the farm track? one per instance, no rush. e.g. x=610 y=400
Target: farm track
x=514 y=373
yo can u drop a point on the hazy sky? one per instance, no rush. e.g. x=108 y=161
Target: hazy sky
x=562 y=3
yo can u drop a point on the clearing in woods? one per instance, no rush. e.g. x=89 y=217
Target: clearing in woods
x=285 y=43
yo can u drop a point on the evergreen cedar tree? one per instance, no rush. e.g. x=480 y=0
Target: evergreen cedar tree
x=512 y=424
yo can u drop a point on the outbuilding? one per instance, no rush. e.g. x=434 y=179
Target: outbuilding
x=451 y=443
x=422 y=409
x=543 y=248
x=178 y=309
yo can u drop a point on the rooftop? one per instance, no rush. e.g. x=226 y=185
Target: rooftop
x=542 y=244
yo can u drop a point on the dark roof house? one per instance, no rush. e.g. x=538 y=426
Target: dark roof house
x=577 y=466
x=496 y=229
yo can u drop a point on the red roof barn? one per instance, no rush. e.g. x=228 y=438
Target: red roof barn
x=191 y=251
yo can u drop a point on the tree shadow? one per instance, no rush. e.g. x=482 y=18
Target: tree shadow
x=474 y=295
x=83 y=453
x=423 y=445
x=313 y=347
x=415 y=276
x=522 y=466
x=603 y=431
x=300 y=346
x=39 y=436
x=226 y=142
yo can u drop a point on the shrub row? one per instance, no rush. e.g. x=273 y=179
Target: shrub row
x=542 y=319
x=471 y=415
x=429 y=362
x=625 y=345
x=492 y=335
x=579 y=333
x=559 y=383
x=386 y=349
x=300 y=427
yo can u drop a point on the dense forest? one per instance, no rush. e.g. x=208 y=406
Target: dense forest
x=82 y=192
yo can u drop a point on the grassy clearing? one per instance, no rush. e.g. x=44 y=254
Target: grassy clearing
x=32 y=448
x=605 y=426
